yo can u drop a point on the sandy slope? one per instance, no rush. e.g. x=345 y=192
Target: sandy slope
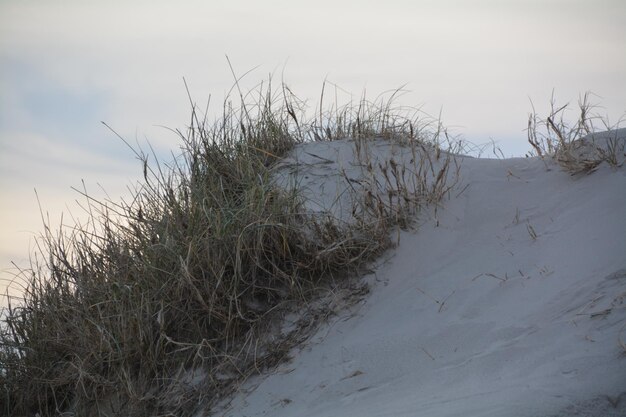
x=511 y=306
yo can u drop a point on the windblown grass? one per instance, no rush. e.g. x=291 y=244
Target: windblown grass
x=162 y=304
x=572 y=145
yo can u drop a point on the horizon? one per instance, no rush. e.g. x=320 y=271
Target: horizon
x=68 y=66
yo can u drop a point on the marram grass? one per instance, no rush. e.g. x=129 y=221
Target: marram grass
x=121 y=313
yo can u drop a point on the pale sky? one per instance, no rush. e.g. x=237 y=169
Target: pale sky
x=67 y=65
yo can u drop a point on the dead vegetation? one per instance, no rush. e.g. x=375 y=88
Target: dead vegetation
x=573 y=146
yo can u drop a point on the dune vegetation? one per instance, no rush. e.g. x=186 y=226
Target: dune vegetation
x=187 y=278
x=163 y=304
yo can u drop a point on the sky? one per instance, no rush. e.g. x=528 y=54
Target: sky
x=67 y=65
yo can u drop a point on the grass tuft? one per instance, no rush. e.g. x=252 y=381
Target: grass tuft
x=573 y=146
x=164 y=303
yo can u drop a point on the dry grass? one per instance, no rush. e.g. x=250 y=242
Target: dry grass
x=572 y=146
x=165 y=303
x=392 y=191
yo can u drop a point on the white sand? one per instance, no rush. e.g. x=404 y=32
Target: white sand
x=513 y=305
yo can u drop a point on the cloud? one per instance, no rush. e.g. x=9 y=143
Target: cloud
x=448 y=52
x=69 y=64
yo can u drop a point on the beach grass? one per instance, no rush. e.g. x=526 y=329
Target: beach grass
x=168 y=301
x=571 y=144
